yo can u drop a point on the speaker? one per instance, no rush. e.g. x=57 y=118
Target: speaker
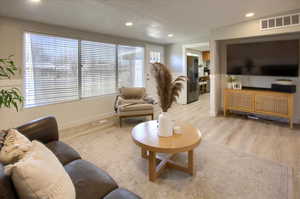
x=284 y=88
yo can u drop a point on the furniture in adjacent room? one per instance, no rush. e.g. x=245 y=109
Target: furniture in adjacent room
x=203 y=84
x=145 y=135
x=133 y=102
x=206 y=56
x=89 y=181
x=262 y=102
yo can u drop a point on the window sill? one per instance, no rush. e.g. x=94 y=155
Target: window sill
x=97 y=97
x=70 y=101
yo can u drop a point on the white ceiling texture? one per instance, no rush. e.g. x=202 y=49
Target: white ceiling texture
x=153 y=19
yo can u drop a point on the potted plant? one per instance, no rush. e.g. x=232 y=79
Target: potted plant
x=9 y=97
x=230 y=81
x=168 y=91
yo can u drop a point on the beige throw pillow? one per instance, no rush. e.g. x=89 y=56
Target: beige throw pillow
x=39 y=175
x=15 y=145
x=132 y=93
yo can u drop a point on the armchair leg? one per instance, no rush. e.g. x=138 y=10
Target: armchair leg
x=152 y=116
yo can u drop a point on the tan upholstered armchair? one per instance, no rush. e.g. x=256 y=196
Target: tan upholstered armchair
x=133 y=102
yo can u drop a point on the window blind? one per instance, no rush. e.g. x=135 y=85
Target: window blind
x=51 y=69
x=98 y=72
x=130 y=66
x=52 y=73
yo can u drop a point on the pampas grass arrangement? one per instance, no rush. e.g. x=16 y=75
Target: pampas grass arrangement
x=168 y=90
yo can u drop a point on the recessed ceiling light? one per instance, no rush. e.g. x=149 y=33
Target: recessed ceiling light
x=250 y=14
x=129 y=24
x=35 y=1
x=170 y=35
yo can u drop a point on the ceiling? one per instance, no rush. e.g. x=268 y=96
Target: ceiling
x=153 y=19
x=198 y=46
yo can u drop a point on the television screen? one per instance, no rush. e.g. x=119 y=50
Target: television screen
x=275 y=58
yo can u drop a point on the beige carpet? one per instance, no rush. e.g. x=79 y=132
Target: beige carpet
x=221 y=172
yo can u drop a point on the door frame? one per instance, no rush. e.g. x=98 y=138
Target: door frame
x=206 y=47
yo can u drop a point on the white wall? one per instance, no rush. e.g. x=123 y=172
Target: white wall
x=174 y=58
x=215 y=78
x=70 y=113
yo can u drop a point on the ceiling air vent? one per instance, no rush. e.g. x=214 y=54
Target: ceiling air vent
x=280 y=21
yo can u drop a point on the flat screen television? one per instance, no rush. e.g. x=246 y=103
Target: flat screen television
x=272 y=58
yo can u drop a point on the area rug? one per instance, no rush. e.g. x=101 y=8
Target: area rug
x=222 y=173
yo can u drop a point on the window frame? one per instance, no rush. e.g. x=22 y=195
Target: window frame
x=79 y=69
x=23 y=73
x=152 y=57
x=116 y=69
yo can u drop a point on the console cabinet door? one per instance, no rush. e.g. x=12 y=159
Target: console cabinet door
x=272 y=105
x=241 y=101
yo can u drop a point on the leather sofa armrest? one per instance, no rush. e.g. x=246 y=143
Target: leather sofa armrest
x=44 y=130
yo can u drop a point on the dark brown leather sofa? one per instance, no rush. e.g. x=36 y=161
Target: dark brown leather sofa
x=90 y=181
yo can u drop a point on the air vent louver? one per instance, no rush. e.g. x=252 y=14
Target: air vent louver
x=280 y=21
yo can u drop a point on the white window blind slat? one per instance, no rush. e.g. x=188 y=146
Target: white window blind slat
x=130 y=66
x=51 y=69
x=98 y=70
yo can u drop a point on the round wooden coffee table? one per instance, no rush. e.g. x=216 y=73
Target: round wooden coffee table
x=146 y=136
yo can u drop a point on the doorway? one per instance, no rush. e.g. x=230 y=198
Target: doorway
x=196 y=62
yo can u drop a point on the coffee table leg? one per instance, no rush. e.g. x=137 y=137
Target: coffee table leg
x=152 y=166
x=144 y=153
x=191 y=162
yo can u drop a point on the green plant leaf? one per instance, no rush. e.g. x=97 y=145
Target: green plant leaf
x=9 y=97
x=7 y=67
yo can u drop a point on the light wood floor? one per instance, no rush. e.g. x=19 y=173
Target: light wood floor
x=266 y=139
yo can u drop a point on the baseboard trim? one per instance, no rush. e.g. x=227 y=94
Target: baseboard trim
x=93 y=118
x=295 y=120
x=213 y=113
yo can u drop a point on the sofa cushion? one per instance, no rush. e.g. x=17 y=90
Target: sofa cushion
x=132 y=93
x=39 y=174
x=90 y=181
x=63 y=152
x=136 y=107
x=121 y=194
x=122 y=101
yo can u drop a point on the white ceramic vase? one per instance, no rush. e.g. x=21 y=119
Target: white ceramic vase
x=165 y=125
x=230 y=85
